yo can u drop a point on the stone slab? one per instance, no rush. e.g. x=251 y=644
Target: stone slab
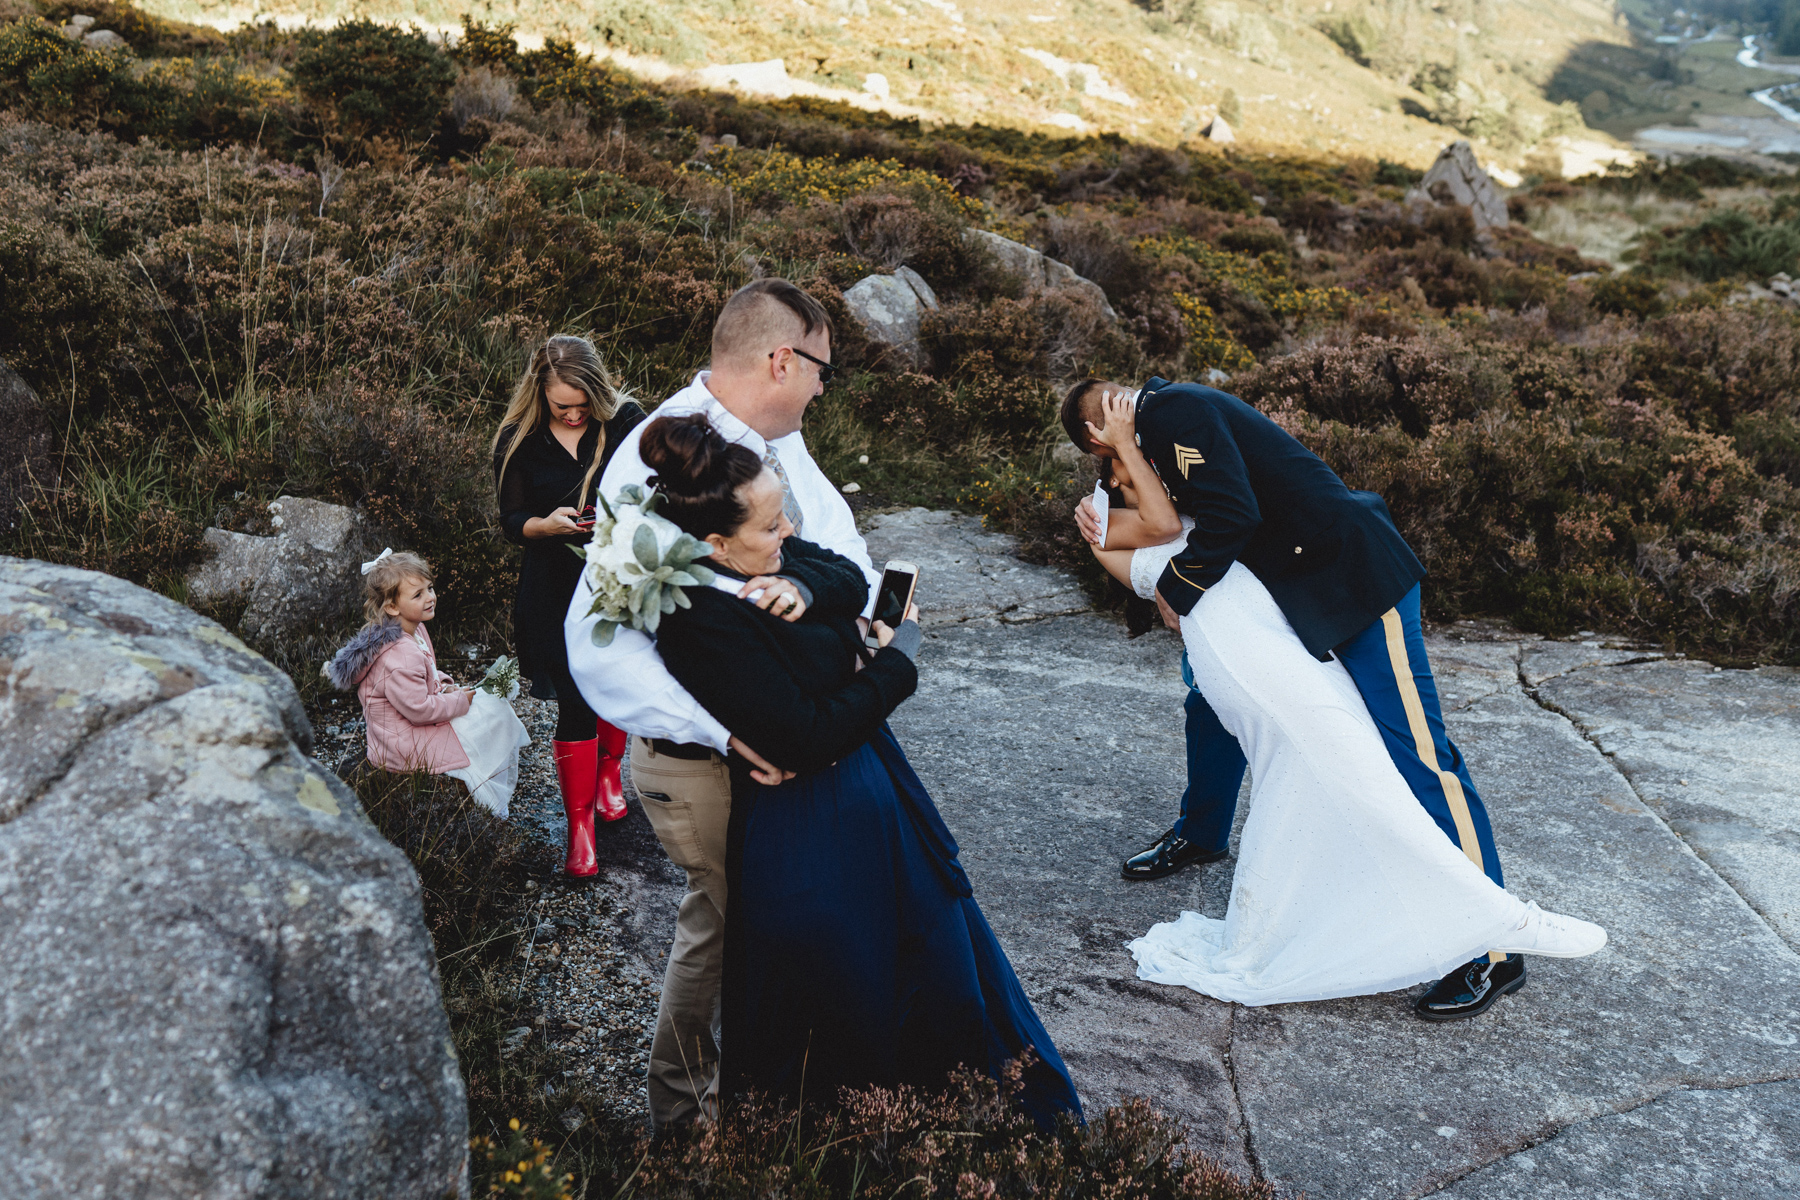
x=967 y=572
x=1716 y=754
x=1737 y=1143
x=1054 y=749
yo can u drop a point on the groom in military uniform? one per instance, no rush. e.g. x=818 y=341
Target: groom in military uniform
x=1347 y=582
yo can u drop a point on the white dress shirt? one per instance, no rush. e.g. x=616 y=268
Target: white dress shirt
x=626 y=682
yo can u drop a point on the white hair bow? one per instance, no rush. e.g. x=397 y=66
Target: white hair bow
x=376 y=561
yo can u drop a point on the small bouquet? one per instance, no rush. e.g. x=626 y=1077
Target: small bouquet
x=637 y=564
x=502 y=679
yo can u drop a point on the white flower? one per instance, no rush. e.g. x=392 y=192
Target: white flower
x=637 y=565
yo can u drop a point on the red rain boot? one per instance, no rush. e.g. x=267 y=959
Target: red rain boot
x=577 y=765
x=609 y=801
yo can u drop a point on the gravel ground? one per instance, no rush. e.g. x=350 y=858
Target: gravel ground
x=593 y=964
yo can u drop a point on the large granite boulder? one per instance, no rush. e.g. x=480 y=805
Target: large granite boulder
x=218 y=980
x=1039 y=271
x=1456 y=178
x=302 y=578
x=889 y=308
x=25 y=458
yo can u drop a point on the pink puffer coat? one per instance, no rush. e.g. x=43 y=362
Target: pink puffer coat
x=407 y=716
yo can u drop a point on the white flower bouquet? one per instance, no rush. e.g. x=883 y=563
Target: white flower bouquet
x=502 y=679
x=637 y=565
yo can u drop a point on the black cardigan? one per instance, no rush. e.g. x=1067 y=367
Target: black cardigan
x=789 y=689
x=541 y=478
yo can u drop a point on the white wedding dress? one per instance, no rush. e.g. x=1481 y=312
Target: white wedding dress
x=1344 y=885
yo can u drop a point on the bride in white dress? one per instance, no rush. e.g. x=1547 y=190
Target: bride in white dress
x=1344 y=885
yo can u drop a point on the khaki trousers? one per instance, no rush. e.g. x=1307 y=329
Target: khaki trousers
x=688 y=802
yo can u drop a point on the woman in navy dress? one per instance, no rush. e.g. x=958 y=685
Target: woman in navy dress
x=855 y=952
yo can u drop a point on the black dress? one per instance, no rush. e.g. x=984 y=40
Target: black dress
x=855 y=953
x=541 y=478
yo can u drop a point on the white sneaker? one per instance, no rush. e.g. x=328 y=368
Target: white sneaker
x=1553 y=935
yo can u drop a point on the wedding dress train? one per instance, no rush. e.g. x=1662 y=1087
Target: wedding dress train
x=1344 y=884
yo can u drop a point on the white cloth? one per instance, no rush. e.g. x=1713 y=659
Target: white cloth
x=626 y=682
x=492 y=736
x=1147 y=562
x=1344 y=885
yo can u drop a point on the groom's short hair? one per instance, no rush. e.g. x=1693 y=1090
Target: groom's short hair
x=762 y=315
x=1080 y=406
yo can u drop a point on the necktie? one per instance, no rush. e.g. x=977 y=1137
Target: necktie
x=789 y=505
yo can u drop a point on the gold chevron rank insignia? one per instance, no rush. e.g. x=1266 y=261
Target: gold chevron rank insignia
x=1185 y=458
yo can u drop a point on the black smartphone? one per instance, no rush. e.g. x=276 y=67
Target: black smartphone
x=898 y=582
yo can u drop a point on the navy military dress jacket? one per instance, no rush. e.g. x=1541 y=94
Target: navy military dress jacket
x=1331 y=557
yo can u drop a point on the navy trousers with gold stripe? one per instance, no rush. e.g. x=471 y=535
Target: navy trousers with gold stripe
x=1388 y=664
x=1387 y=661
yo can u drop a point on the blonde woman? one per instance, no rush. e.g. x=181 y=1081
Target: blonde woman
x=566 y=418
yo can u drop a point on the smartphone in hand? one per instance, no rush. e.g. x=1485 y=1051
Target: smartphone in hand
x=894 y=597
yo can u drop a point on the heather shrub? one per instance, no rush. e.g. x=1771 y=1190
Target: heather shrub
x=71 y=321
x=363 y=79
x=1547 y=483
x=920 y=231
x=1416 y=383
x=969 y=1140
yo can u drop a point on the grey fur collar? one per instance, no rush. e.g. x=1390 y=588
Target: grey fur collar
x=350 y=664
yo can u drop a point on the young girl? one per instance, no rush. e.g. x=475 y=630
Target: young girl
x=416 y=716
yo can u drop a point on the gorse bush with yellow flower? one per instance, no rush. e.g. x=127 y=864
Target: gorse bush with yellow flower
x=776 y=176
x=521 y=1169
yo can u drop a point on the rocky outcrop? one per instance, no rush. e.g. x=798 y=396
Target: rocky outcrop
x=1218 y=130
x=25 y=459
x=303 y=577
x=1456 y=178
x=968 y=572
x=218 y=981
x=889 y=308
x=1039 y=271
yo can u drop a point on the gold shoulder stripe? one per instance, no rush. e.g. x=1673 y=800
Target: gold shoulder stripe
x=1186 y=458
x=1184 y=578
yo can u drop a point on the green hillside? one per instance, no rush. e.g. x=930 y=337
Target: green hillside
x=1372 y=77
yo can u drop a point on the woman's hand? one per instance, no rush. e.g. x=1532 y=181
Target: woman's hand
x=761 y=769
x=560 y=523
x=1120 y=414
x=884 y=635
x=1087 y=521
x=779 y=596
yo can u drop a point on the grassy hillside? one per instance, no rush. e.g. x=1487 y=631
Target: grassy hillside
x=252 y=263
x=1380 y=78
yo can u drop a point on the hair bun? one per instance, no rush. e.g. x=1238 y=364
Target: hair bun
x=698 y=472
x=684 y=452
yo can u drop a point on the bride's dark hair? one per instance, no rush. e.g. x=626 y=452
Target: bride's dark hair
x=699 y=474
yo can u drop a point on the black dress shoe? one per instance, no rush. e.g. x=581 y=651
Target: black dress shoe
x=1168 y=856
x=1471 y=989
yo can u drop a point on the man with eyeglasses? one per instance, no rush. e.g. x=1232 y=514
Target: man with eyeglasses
x=771 y=355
